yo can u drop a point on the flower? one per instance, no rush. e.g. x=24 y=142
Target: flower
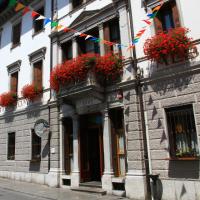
x=31 y=91
x=174 y=43
x=75 y=70
x=109 y=66
x=8 y=99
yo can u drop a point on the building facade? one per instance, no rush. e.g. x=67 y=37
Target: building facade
x=120 y=136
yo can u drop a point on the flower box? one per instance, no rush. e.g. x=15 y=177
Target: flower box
x=31 y=92
x=8 y=99
x=85 y=67
x=169 y=47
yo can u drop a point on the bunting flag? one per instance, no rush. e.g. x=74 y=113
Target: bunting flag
x=26 y=10
x=41 y=17
x=58 y=26
x=34 y=14
x=148 y=21
x=54 y=24
x=12 y=3
x=19 y=7
x=46 y=21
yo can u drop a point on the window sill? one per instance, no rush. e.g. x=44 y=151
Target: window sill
x=185 y=159
x=15 y=45
x=38 y=32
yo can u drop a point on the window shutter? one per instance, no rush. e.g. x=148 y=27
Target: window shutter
x=37 y=74
x=158 y=24
x=107 y=37
x=14 y=82
x=175 y=14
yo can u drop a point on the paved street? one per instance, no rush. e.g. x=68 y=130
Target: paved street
x=15 y=190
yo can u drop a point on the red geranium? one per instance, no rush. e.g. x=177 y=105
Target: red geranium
x=72 y=70
x=8 y=99
x=109 y=66
x=31 y=91
x=174 y=43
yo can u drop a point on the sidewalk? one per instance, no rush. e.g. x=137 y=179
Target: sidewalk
x=42 y=191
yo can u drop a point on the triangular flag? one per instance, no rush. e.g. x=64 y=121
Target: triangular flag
x=19 y=6
x=82 y=35
x=40 y=17
x=34 y=14
x=46 y=21
x=152 y=15
x=26 y=10
x=87 y=37
x=59 y=27
x=77 y=34
x=66 y=29
x=156 y=8
x=12 y=3
x=147 y=21
x=53 y=24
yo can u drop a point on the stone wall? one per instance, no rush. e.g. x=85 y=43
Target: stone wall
x=21 y=123
x=178 y=179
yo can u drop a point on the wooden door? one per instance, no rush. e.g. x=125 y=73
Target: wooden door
x=68 y=144
x=91 y=142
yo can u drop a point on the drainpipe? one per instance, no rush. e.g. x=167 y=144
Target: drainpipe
x=140 y=96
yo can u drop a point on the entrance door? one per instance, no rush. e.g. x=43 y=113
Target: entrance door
x=91 y=147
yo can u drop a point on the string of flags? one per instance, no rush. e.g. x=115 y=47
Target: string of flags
x=54 y=24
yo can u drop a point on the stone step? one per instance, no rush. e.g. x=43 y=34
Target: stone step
x=91 y=184
x=89 y=190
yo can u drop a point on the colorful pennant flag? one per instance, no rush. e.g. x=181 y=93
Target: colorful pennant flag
x=54 y=24
x=19 y=7
x=12 y=3
x=46 y=21
x=26 y=10
x=147 y=21
x=34 y=14
x=40 y=17
x=66 y=29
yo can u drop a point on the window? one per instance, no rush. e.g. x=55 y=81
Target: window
x=67 y=51
x=11 y=146
x=167 y=18
x=76 y=3
x=36 y=146
x=87 y=46
x=118 y=141
x=182 y=132
x=112 y=33
x=38 y=25
x=37 y=74
x=16 y=32
x=14 y=82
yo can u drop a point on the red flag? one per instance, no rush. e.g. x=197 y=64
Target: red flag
x=26 y=10
x=146 y=21
x=66 y=29
x=34 y=14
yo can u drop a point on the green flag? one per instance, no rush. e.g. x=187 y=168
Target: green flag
x=53 y=24
x=12 y=3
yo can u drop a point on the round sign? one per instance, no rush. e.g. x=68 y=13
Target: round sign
x=41 y=127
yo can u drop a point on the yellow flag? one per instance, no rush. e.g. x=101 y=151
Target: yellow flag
x=59 y=27
x=19 y=6
x=156 y=8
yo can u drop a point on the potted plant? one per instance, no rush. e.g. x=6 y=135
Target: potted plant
x=8 y=99
x=31 y=91
x=168 y=47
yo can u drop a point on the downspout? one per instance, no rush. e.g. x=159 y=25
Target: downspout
x=51 y=63
x=142 y=114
